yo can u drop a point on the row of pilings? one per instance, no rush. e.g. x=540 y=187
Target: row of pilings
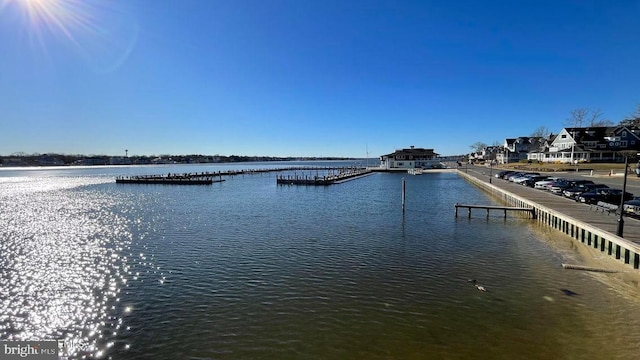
x=209 y=177
x=341 y=175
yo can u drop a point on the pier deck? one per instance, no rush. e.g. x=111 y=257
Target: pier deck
x=580 y=221
x=582 y=212
x=489 y=207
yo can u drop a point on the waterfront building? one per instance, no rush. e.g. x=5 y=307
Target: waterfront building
x=586 y=144
x=410 y=158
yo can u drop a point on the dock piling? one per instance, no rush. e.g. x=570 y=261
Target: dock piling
x=404 y=188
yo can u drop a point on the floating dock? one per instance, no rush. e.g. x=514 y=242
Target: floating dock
x=316 y=180
x=167 y=180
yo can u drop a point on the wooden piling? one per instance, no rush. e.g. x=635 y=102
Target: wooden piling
x=404 y=188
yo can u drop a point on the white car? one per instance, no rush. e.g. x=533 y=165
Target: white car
x=523 y=178
x=542 y=185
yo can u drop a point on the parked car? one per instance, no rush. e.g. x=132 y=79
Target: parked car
x=557 y=187
x=567 y=184
x=527 y=176
x=531 y=181
x=573 y=192
x=607 y=195
x=514 y=176
x=542 y=185
x=501 y=174
x=632 y=207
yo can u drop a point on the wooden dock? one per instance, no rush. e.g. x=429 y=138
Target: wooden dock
x=490 y=207
x=316 y=180
x=334 y=176
x=166 y=180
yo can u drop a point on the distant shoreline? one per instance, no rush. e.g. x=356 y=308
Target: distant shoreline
x=60 y=160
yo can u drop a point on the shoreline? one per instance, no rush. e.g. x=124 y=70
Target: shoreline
x=585 y=226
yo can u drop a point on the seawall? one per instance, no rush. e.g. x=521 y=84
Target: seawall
x=608 y=243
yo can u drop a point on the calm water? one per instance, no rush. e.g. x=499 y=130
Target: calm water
x=247 y=269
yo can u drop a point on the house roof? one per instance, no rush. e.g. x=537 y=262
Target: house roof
x=414 y=152
x=582 y=134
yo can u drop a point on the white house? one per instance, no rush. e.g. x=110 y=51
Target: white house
x=595 y=144
x=409 y=158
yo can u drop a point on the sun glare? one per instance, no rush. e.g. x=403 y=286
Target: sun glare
x=98 y=30
x=55 y=17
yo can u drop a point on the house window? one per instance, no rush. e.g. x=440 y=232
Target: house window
x=624 y=134
x=564 y=136
x=623 y=143
x=400 y=164
x=633 y=142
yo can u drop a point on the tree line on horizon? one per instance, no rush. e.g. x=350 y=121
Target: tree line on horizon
x=37 y=159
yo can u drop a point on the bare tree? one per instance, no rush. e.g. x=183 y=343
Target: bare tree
x=478 y=146
x=602 y=123
x=587 y=117
x=542 y=132
x=633 y=120
x=594 y=118
x=577 y=117
x=636 y=114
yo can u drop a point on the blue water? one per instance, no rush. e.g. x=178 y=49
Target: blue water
x=249 y=269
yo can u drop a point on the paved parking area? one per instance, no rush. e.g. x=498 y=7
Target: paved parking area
x=585 y=213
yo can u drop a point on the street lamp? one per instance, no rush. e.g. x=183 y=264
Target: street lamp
x=490 y=170
x=624 y=190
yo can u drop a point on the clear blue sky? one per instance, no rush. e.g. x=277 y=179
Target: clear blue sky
x=306 y=78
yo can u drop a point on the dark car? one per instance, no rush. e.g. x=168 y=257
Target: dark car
x=501 y=174
x=607 y=195
x=557 y=187
x=530 y=182
x=573 y=192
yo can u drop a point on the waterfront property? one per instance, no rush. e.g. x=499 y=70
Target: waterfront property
x=410 y=158
x=570 y=145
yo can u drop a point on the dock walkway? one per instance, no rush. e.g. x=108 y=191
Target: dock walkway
x=588 y=214
x=582 y=222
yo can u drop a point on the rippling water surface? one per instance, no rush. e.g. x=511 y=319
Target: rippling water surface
x=248 y=269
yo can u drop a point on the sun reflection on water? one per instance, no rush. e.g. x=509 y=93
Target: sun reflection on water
x=61 y=265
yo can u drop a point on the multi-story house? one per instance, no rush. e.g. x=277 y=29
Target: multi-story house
x=409 y=158
x=582 y=144
x=516 y=149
